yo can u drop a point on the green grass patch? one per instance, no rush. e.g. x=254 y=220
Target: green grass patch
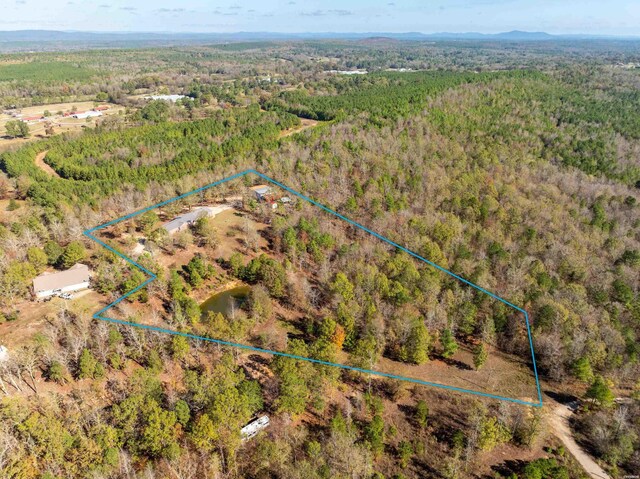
x=45 y=71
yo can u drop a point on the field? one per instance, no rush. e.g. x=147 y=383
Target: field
x=45 y=72
x=60 y=124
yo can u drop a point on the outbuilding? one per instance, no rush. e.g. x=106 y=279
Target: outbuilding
x=262 y=192
x=75 y=278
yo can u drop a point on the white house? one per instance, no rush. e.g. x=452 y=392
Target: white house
x=254 y=427
x=51 y=284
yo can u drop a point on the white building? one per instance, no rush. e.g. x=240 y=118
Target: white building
x=87 y=114
x=171 y=98
x=254 y=427
x=52 y=284
x=349 y=72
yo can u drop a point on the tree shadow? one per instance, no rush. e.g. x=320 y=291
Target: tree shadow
x=561 y=397
x=507 y=468
x=259 y=359
x=453 y=362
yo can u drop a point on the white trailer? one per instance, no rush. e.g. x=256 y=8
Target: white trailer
x=4 y=354
x=254 y=427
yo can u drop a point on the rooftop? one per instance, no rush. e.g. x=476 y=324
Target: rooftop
x=78 y=273
x=192 y=216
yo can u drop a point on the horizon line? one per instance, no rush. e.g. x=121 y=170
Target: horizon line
x=328 y=32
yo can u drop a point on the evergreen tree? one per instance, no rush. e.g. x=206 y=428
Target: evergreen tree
x=374 y=434
x=416 y=349
x=449 y=344
x=600 y=392
x=422 y=413
x=480 y=355
x=581 y=369
x=73 y=253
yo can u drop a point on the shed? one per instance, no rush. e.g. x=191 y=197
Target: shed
x=262 y=192
x=51 y=284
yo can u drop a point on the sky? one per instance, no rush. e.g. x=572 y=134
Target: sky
x=602 y=17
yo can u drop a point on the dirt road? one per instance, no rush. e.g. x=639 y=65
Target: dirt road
x=305 y=123
x=559 y=424
x=43 y=166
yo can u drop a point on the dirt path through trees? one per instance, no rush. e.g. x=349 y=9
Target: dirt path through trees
x=559 y=425
x=306 y=123
x=43 y=166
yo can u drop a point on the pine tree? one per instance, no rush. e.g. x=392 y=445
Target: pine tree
x=449 y=344
x=600 y=392
x=480 y=356
x=73 y=254
x=374 y=434
x=422 y=413
x=581 y=369
x=417 y=346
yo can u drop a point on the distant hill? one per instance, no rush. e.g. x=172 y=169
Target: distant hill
x=519 y=35
x=53 y=39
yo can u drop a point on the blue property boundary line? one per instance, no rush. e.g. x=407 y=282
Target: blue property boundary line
x=152 y=276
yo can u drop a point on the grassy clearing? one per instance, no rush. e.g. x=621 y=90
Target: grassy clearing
x=45 y=71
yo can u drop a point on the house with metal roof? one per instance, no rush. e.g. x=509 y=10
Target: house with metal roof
x=182 y=222
x=49 y=284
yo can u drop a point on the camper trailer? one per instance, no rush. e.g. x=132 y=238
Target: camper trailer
x=254 y=427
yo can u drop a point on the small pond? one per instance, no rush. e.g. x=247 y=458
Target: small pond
x=223 y=302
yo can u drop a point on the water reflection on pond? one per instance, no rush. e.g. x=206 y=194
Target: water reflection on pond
x=224 y=301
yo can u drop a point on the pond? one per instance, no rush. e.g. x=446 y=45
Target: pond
x=223 y=302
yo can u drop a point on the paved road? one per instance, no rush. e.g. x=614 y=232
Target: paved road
x=559 y=422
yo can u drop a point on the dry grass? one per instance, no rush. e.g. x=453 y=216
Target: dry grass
x=60 y=124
